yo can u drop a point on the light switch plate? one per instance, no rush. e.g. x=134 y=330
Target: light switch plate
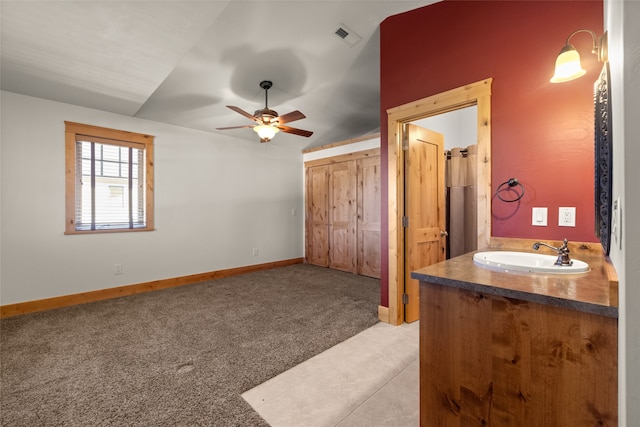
x=539 y=217
x=567 y=217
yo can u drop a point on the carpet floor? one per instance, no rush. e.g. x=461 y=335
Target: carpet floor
x=176 y=357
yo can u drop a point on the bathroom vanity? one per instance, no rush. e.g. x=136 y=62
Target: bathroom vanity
x=518 y=349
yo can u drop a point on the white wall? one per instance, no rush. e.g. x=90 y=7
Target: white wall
x=367 y=144
x=624 y=58
x=459 y=127
x=216 y=198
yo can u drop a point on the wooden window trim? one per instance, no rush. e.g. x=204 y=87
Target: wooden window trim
x=111 y=136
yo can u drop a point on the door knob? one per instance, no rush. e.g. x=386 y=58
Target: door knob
x=443 y=233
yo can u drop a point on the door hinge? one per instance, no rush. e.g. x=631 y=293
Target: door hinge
x=405 y=298
x=405 y=137
x=405 y=143
x=405 y=221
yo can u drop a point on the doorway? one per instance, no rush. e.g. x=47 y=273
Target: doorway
x=460 y=142
x=478 y=94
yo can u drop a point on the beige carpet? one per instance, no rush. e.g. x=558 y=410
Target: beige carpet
x=178 y=357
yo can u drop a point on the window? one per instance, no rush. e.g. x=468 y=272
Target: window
x=109 y=180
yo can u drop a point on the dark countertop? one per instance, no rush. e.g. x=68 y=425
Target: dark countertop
x=589 y=292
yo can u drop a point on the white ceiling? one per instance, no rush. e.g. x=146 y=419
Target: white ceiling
x=182 y=62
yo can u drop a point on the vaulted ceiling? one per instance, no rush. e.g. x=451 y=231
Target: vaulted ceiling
x=182 y=62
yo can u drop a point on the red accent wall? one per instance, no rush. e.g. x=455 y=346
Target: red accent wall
x=542 y=133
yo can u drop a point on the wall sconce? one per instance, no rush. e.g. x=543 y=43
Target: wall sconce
x=568 y=63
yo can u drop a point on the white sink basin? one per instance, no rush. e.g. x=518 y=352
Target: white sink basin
x=527 y=262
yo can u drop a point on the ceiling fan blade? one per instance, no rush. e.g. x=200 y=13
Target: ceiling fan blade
x=244 y=113
x=295 y=131
x=235 y=127
x=290 y=117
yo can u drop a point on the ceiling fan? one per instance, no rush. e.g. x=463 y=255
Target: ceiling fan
x=268 y=121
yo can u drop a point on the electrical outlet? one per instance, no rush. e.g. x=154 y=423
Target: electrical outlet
x=539 y=217
x=117 y=269
x=294 y=212
x=255 y=251
x=567 y=217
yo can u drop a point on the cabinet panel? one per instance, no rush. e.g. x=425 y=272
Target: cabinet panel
x=490 y=360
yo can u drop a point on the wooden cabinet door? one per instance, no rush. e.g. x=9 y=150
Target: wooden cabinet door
x=369 y=217
x=342 y=216
x=317 y=216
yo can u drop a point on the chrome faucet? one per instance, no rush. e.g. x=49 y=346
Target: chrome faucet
x=563 y=252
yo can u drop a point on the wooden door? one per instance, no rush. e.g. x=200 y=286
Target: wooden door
x=425 y=241
x=317 y=216
x=369 y=217
x=342 y=216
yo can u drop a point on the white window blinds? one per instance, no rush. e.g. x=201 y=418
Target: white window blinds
x=110 y=183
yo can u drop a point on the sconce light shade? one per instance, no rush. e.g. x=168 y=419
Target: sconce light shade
x=266 y=132
x=568 y=65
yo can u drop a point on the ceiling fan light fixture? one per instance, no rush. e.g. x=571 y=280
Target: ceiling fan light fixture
x=269 y=122
x=266 y=132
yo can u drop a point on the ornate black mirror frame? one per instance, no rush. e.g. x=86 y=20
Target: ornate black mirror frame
x=603 y=159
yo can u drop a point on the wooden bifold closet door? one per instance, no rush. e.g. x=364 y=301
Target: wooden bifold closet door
x=343 y=214
x=317 y=216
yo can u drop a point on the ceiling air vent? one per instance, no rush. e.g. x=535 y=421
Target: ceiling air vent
x=347 y=35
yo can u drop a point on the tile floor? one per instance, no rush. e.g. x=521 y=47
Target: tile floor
x=368 y=380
